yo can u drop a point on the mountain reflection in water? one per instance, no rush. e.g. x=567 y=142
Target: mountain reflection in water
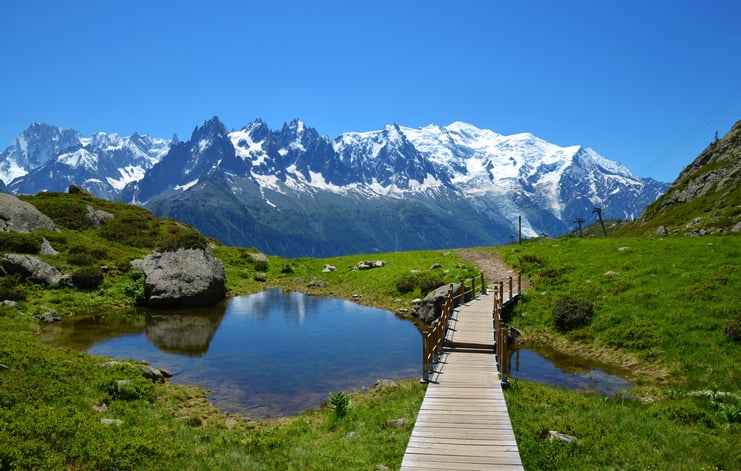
x=264 y=355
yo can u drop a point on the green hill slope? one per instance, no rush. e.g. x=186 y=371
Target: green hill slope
x=704 y=199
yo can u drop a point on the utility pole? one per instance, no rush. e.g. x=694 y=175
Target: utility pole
x=579 y=221
x=602 y=223
x=519 y=219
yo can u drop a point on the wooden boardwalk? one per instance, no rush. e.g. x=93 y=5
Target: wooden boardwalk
x=463 y=423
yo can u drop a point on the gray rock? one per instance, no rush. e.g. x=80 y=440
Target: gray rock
x=49 y=317
x=111 y=421
x=153 y=373
x=430 y=308
x=435 y=266
x=328 y=268
x=317 y=284
x=386 y=384
x=30 y=268
x=74 y=189
x=661 y=231
x=368 y=264
x=9 y=303
x=554 y=435
x=19 y=216
x=183 y=278
x=97 y=216
x=47 y=249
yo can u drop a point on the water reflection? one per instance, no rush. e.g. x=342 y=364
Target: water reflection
x=546 y=365
x=264 y=355
x=187 y=334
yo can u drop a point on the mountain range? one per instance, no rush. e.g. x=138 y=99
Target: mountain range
x=294 y=192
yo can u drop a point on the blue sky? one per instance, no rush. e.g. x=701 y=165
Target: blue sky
x=645 y=83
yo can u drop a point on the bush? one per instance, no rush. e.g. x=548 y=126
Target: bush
x=571 y=313
x=19 y=243
x=134 y=288
x=11 y=288
x=182 y=239
x=406 y=284
x=88 y=277
x=430 y=282
x=732 y=328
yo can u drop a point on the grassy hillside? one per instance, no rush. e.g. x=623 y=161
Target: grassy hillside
x=704 y=199
x=666 y=308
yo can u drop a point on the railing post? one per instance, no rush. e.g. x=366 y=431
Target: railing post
x=463 y=291
x=425 y=372
x=483 y=285
x=519 y=283
x=510 y=287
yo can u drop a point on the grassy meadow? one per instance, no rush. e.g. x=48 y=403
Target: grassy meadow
x=666 y=309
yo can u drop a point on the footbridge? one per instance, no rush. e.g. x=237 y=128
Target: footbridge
x=463 y=423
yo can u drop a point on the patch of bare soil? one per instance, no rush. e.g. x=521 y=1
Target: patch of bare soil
x=491 y=265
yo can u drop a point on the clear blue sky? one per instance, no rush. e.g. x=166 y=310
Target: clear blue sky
x=644 y=82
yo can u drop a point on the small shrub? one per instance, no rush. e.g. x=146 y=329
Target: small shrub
x=19 y=243
x=641 y=335
x=732 y=328
x=340 y=403
x=261 y=265
x=136 y=389
x=430 y=282
x=134 y=288
x=406 y=284
x=571 y=313
x=683 y=412
x=182 y=239
x=88 y=277
x=11 y=288
x=287 y=269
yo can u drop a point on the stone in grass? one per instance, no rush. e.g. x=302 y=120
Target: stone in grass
x=555 y=435
x=385 y=384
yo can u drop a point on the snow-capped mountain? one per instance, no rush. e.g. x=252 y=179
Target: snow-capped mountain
x=49 y=158
x=295 y=192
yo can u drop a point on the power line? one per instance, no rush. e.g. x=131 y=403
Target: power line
x=712 y=115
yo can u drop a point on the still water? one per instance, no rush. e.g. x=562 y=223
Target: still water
x=264 y=355
x=546 y=365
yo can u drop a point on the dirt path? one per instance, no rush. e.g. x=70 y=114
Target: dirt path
x=491 y=265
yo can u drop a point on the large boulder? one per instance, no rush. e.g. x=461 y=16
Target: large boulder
x=183 y=278
x=30 y=268
x=19 y=216
x=431 y=306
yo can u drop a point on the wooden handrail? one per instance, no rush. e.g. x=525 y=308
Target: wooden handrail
x=433 y=339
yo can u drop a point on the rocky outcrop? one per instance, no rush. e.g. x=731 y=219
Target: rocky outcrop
x=30 y=268
x=97 y=216
x=430 y=308
x=368 y=264
x=19 y=216
x=183 y=278
x=703 y=199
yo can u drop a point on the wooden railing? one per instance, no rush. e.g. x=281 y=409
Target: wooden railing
x=501 y=330
x=433 y=339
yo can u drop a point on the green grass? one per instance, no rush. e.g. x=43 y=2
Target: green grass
x=669 y=433
x=663 y=308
